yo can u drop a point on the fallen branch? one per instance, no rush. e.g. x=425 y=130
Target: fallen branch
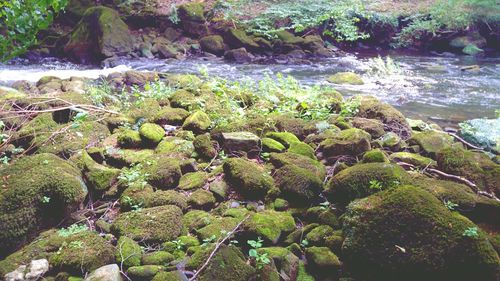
x=217 y=246
x=464 y=141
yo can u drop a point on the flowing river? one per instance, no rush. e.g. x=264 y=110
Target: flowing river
x=444 y=89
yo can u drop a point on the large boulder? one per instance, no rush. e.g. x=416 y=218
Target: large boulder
x=192 y=18
x=100 y=34
x=37 y=191
x=248 y=178
x=348 y=142
x=408 y=234
x=213 y=44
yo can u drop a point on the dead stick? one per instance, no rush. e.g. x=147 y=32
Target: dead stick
x=217 y=246
x=464 y=141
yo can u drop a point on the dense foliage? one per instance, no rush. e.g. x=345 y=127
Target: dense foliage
x=21 y=20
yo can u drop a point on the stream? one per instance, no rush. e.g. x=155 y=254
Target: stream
x=434 y=88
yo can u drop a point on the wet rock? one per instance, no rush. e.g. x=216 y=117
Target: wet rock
x=110 y=272
x=240 y=142
x=388 y=238
x=100 y=34
x=37 y=191
x=238 y=55
x=213 y=44
x=350 y=78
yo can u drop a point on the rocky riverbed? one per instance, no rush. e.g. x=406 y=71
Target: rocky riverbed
x=155 y=176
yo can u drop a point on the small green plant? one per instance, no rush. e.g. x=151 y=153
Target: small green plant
x=376 y=185
x=179 y=245
x=350 y=107
x=324 y=205
x=174 y=15
x=471 y=232
x=260 y=259
x=135 y=207
x=45 y=199
x=304 y=243
x=450 y=205
x=72 y=229
x=79 y=118
x=4 y=160
x=209 y=240
x=134 y=176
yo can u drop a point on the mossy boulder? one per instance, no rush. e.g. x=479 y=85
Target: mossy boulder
x=394 y=121
x=372 y=126
x=358 y=181
x=196 y=219
x=144 y=272
x=298 y=185
x=100 y=177
x=302 y=149
x=202 y=199
x=70 y=251
x=99 y=35
x=151 y=133
x=164 y=172
x=375 y=156
x=215 y=226
x=347 y=142
x=228 y=264
x=197 y=122
x=350 y=78
x=146 y=197
x=205 y=147
x=191 y=181
x=157 y=258
x=285 y=138
x=248 y=178
x=237 y=142
x=318 y=235
x=406 y=233
x=431 y=141
x=128 y=252
x=157 y=224
x=323 y=215
x=128 y=138
x=175 y=146
x=285 y=261
x=213 y=44
x=271 y=145
x=270 y=225
x=170 y=116
x=192 y=18
x=169 y=276
x=474 y=166
x=37 y=191
x=282 y=159
x=238 y=38
x=413 y=158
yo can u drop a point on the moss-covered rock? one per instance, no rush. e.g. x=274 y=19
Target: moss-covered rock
x=322 y=261
x=197 y=122
x=302 y=149
x=237 y=142
x=431 y=141
x=128 y=252
x=192 y=181
x=406 y=233
x=271 y=145
x=169 y=276
x=155 y=224
x=100 y=177
x=318 y=235
x=204 y=147
x=192 y=18
x=347 y=142
x=248 y=178
x=202 y=199
x=372 y=126
x=146 y=197
x=129 y=138
x=196 y=219
x=37 y=191
x=175 y=146
x=285 y=138
x=144 y=272
x=285 y=261
x=473 y=166
x=298 y=185
x=213 y=44
x=70 y=251
x=151 y=133
x=270 y=225
x=362 y=180
x=164 y=172
x=100 y=34
x=375 y=156
x=157 y=258
x=346 y=78
x=282 y=159
x=237 y=38
x=215 y=226
x=170 y=116
x=413 y=158
x=323 y=215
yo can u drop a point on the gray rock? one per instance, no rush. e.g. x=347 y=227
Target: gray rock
x=16 y=275
x=37 y=269
x=240 y=142
x=482 y=132
x=110 y=272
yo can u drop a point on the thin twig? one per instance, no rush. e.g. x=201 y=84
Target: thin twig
x=217 y=246
x=464 y=141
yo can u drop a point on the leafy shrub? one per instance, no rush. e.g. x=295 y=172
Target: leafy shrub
x=21 y=21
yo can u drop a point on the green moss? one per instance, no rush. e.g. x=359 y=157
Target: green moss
x=202 y=199
x=346 y=78
x=298 y=234
x=375 y=156
x=196 y=219
x=169 y=276
x=215 y=227
x=299 y=186
x=228 y=264
x=318 y=235
x=144 y=272
x=394 y=121
x=347 y=142
x=302 y=149
x=289 y=38
x=128 y=252
x=323 y=215
x=250 y=179
x=127 y=157
x=146 y=197
x=192 y=181
x=191 y=11
x=212 y=44
x=281 y=159
x=354 y=182
x=151 y=133
x=284 y=138
x=238 y=38
x=204 y=147
x=431 y=236
x=197 y=122
x=99 y=176
x=170 y=116
x=155 y=224
x=184 y=81
x=412 y=158
x=271 y=145
x=157 y=258
x=25 y=183
x=85 y=250
x=322 y=261
x=431 y=141
x=280 y=204
x=175 y=146
x=372 y=126
x=284 y=260
x=302 y=274
x=128 y=138
x=270 y=225
x=164 y=172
